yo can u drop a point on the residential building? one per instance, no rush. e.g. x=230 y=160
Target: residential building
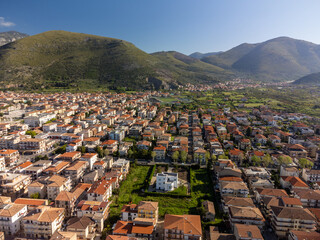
x=284 y=219
x=10 y=217
x=43 y=222
x=167 y=181
x=186 y=227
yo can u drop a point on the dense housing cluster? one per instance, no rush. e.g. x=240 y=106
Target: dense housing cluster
x=66 y=160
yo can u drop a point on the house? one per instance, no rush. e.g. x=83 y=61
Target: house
x=234 y=189
x=303 y=235
x=144 y=211
x=167 y=181
x=122 y=166
x=10 y=217
x=247 y=232
x=68 y=200
x=186 y=227
x=13 y=184
x=308 y=197
x=236 y=202
x=55 y=185
x=32 y=203
x=84 y=227
x=295 y=151
x=256 y=172
x=143 y=145
x=284 y=219
x=274 y=139
x=76 y=171
x=246 y=215
x=236 y=155
x=101 y=191
x=261 y=139
x=263 y=192
x=311 y=175
x=214 y=234
x=69 y=156
x=290 y=171
x=91 y=158
x=293 y=182
x=34 y=222
x=141 y=230
x=96 y=210
x=244 y=144
x=160 y=152
x=210 y=212
x=32 y=145
x=199 y=156
x=11 y=156
x=110 y=145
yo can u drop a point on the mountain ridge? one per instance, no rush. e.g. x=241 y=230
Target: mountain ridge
x=65 y=59
x=11 y=36
x=277 y=59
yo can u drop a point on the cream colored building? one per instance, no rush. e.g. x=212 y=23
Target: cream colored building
x=10 y=217
x=43 y=222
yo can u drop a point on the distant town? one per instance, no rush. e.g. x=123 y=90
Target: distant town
x=195 y=163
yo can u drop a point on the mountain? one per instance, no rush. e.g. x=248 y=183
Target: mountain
x=11 y=36
x=226 y=59
x=310 y=80
x=277 y=59
x=184 y=68
x=58 y=59
x=199 y=55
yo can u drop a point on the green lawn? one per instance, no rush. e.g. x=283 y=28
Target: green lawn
x=131 y=189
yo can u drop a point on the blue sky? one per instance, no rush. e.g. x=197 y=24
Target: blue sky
x=161 y=25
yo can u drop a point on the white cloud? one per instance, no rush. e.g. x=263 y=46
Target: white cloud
x=4 y=23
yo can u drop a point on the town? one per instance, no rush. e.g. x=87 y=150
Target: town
x=147 y=165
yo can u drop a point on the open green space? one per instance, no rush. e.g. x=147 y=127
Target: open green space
x=131 y=190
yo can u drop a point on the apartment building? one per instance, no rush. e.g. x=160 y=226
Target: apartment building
x=76 y=171
x=43 y=222
x=34 y=145
x=13 y=184
x=10 y=217
x=284 y=219
x=167 y=181
x=98 y=211
x=101 y=191
x=11 y=156
x=186 y=227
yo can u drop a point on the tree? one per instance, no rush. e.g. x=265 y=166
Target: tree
x=82 y=149
x=305 y=163
x=249 y=132
x=35 y=195
x=207 y=156
x=256 y=161
x=61 y=149
x=31 y=133
x=266 y=160
x=286 y=160
x=153 y=155
x=223 y=156
x=196 y=157
x=183 y=156
x=175 y=156
x=130 y=153
x=99 y=151
x=159 y=169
